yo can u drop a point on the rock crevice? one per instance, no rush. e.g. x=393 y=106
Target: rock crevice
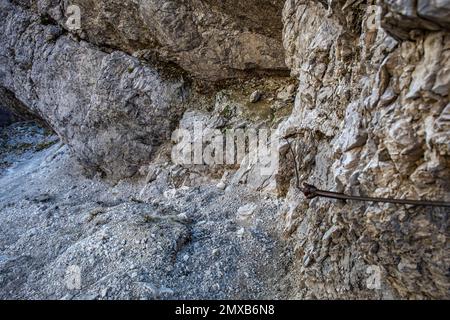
x=371 y=116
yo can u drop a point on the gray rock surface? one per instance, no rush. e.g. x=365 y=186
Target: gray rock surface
x=369 y=120
x=211 y=39
x=402 y=17
x=370 y=117
x=20 y=141
x=109 y=108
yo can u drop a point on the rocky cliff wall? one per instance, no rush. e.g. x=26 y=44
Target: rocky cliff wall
x=371 y=114
x=110 y=108
x=370 y=118
x=211 y=39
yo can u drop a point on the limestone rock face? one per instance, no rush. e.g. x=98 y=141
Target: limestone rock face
x=209 y=38
x=109 y=108
x=371 y=115
x=402 y=17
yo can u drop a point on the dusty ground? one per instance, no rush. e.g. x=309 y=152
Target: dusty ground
x=181 y=243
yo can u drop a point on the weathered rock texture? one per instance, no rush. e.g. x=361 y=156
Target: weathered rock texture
x=370 y=118
x=111 y=109
x=211 y=39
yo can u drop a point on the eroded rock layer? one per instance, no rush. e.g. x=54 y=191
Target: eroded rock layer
x=110 y=108
x=211 y=39
x=371 y=116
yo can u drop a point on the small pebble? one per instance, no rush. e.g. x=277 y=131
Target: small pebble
x=183 y=216
x=221 y=185
x=255 y=96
